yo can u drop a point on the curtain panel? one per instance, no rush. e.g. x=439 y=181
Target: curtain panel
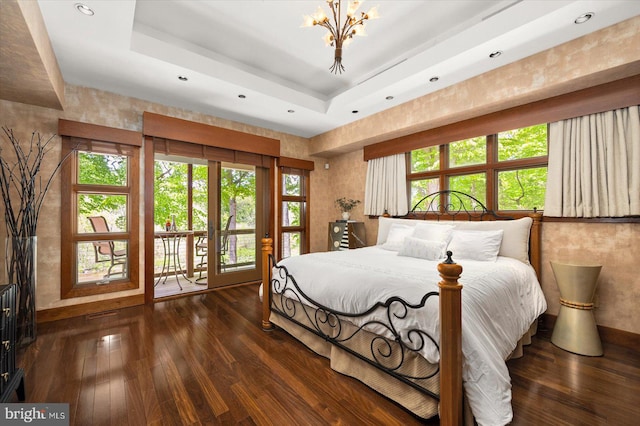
x=386 y=186
x=594 y=165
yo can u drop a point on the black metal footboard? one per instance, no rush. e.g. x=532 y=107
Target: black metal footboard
x=397 y=354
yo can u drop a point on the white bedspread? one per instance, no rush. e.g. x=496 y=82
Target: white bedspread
x=500 y=301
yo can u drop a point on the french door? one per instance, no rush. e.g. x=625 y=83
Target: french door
x=219 y=209
x=236 y=224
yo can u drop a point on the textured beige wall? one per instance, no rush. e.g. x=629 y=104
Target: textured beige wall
x=29 y=70
x=614 y=246
x=345 y=178
x=24 y=120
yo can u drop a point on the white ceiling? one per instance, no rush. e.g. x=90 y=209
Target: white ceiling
x=259 y=49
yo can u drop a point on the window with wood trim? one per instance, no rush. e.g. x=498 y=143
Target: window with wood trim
x=506 y=171
x=100 y=217
x=293 y=212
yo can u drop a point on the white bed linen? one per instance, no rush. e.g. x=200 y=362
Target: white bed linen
x=500 y=301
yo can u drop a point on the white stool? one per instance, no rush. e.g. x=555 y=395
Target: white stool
x=575 y=329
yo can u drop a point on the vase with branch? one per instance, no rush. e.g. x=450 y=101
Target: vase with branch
x=346 y=205
x=23 y=190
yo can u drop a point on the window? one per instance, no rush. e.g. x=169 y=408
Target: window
x=293 y=212
x=99 y=217
x=468 y=152
x=505 y=171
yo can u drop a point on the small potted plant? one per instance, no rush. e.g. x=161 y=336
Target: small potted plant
x=346 y=205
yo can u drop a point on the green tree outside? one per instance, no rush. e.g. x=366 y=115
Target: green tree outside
x=518 y=189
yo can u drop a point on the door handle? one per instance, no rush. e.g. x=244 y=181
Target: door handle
x=210 y=230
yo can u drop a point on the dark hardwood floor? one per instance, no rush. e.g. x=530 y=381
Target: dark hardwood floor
x=204 y=359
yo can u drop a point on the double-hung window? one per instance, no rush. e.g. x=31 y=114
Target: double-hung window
x=100 y=215
x=294 y=183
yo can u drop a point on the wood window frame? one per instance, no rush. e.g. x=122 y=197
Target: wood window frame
x=617 y=94
x=490 y=168
x=302 y=168
x=76 y=137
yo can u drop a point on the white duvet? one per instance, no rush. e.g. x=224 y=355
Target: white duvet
x=500 y=300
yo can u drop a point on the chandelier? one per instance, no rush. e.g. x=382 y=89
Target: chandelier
x=340 y=34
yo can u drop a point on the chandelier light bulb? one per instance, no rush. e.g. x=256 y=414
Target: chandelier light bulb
x=359 y=30
x=372 y=13
x=353 y=7
x=319 y=16
x=308 y=21
x=328 y=39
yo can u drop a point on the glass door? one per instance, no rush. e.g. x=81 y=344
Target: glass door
x=235 y=223
x=209 y=220
x=180 y=218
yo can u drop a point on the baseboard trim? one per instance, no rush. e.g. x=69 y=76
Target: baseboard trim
x=54 y=314
x=609 y=335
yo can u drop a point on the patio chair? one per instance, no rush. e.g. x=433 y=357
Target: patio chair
x=105 y=250
x=202 y=249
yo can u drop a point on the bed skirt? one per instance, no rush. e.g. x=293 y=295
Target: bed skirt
x=417 y=402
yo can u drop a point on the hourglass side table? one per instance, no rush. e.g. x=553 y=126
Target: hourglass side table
x=575 y=329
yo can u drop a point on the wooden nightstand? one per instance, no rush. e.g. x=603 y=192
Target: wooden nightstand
x=346 y=235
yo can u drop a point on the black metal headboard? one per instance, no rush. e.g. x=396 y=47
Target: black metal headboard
x=453 y=205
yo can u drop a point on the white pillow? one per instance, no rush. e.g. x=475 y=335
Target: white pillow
x=384 y=225
x=395 y=237
x=475 y=245
x=422 y=249
x=432 y=232
x=515 y=241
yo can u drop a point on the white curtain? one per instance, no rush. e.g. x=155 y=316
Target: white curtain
x=386 y=186
x=594 y=165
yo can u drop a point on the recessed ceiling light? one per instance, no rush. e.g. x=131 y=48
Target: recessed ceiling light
x=355 y=111
x=434 y=79
x=84 y=9
x=389 y=98
x=241 y=96
x=291 y=111
x=583 y=18
x=182 y=78
x=495 y=54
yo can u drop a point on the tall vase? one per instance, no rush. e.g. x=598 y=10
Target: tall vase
x=21 y=261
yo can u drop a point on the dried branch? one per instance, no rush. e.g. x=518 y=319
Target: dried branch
x=23 y=178
x=23 y=193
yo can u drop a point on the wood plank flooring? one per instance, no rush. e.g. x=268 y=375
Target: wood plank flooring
x=203 y=359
